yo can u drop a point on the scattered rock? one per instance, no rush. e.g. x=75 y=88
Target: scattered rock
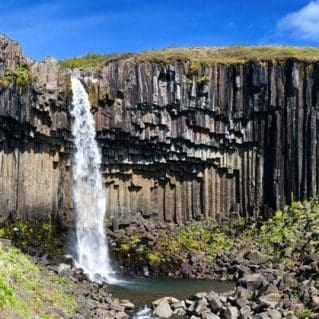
x=252 y=282
x=63 y=269
x=209 y=315
x=231 y=313
x=163 y=310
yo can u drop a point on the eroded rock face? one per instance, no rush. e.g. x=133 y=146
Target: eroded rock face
x=177 y=145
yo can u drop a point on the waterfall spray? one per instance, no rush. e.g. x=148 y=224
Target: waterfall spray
x=88 y=191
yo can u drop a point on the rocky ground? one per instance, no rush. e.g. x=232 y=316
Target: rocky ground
x=93 y=300
x=274 y=264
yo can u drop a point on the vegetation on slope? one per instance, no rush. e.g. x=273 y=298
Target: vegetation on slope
x=199 y=55
x=21 y=76
x=28 y=290
x=292 y=233
x=36 y=237
x=286 y=238
x=283 y=250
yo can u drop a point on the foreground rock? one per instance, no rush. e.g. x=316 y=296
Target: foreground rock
x=94 y=300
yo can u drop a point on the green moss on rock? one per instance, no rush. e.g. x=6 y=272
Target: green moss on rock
x=36 y=237
x=20 y=76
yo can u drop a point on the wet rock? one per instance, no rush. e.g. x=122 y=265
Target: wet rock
x=179 y=304
x=163 y=310
x=200 y=295
x=181 y=312
x=169 y=300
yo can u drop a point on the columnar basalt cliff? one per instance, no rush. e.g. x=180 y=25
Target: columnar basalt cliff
x=178 y=144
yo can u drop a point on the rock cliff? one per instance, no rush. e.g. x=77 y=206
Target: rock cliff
x=178 y=144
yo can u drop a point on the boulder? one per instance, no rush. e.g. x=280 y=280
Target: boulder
x=209 y=315
x=231 y=313
x=167 y=299
x=121 y=315
x=214 y=301
x=163 y=310
x=270 y=301
x=181 y=312
x=63 y=269
x=127 y=305
x=274 y=314
x=179 y=304
x=315 y=302
x=252 y=282
x=245 y=312
x=241 y=302
x=201 y=306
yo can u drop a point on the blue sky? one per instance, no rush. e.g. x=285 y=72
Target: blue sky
x=65 y=28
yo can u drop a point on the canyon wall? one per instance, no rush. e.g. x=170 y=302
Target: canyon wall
x=178 y=144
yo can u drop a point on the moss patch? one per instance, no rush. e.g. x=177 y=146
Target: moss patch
x=165 y=248
x=292 y=232
x=20 y=76
x=37 y=237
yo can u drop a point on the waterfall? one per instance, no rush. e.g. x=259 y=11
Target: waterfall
x=88 y=192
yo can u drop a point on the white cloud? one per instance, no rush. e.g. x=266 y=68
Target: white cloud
x=303 y=24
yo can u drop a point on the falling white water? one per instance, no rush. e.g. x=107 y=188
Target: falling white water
x=88 y=192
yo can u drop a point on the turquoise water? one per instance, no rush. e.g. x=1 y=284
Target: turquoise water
x=144 y=291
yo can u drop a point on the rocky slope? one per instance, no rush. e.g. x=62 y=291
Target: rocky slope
x=25 y=283
x=180 y=141
x=274 y=266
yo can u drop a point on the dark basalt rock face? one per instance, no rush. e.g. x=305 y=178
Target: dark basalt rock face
x=177 y=145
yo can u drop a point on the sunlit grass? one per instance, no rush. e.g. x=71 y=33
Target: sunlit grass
x=199 y=55
x=27 y=289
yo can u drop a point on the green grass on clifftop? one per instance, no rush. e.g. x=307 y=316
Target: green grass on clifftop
x=232 y=54
x=31 y=291
x=90 y=60
x=200 y=55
